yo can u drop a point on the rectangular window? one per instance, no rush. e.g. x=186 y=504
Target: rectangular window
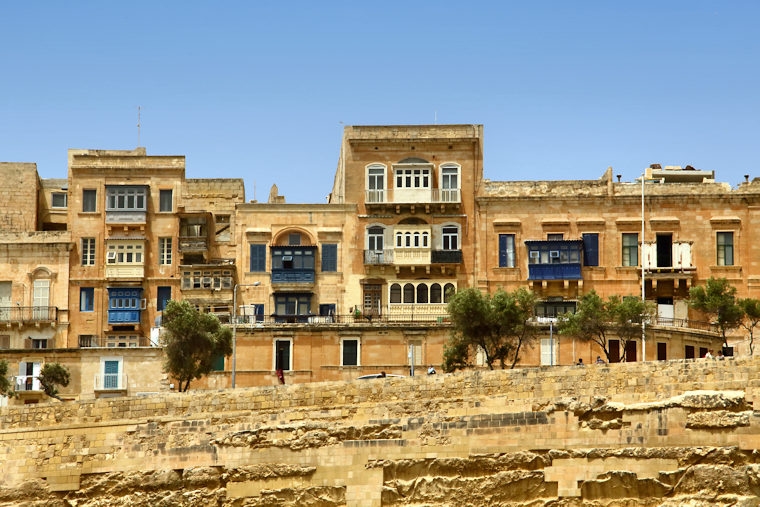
x=590 y=249
x=282 y=355
x=111 y=377
x=126 y=198
x=163 y=295
x=88 y=251
x=412 y=178
x=329 y=257
x=258 y=258
x=630 y=249
x=555 y=237
x=350 y=352
x=450 y=238
x=223 y=233
x=725 y=242
x=164 y=251
x=125 y=253
x=89 y=200
x=165 y=203
x=506 y=250
x=59 y=199
x=292 y=304
x=86 y=299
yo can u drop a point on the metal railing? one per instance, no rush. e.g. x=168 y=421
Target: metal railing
x=107 y=381
x=254 y=321
x=26 y=383
x=28 y=314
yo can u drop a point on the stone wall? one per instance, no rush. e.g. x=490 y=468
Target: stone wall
x=673 y=433
x=18 y=193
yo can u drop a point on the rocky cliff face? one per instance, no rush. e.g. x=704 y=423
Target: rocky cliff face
x=513 y=438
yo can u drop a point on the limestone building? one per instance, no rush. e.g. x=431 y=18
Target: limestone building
x=358 y=284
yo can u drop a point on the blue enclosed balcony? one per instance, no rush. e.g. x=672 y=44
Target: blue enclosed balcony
x=554 y=259
x=293 y=264
x=125 y=305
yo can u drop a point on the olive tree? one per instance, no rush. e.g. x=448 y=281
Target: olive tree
x=717 y=298
x=192 y=342
x=598 y=320
x=498 y=325
x=751 y=309
x=6 y=387
x=51 y=376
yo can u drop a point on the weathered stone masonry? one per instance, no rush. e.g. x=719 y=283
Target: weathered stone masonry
x=663 y=433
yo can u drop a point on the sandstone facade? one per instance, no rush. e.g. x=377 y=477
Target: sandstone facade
x=358 y=284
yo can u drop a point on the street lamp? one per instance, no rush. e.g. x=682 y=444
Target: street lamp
x=643 y=286
x=234 y=324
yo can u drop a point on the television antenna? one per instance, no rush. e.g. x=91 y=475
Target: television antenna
x=138 y=126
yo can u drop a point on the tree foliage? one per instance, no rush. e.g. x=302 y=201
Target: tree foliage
x=499 y=325
x=717 y=298
x=192 y=342
x=53 y=375
x=599 y=320
x=5 y=382
x=751 y=309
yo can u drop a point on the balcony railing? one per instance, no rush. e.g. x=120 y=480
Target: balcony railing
x=110 y=381
x=193 y=244
x=24 y=314
x=569 y=271
x=292 y=276
x=420 y=196
x=446 y=256
x=26 y=383
x=423 y=314
x=378 y=257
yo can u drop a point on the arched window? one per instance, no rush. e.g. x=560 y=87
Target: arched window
x=395 y=293
x=435 y=293
x=408 y=293
x=408 y=237
x=376 y=183
x=399 y=240
x=416 y=240
x=450 y=183
x=375 y=238
x=425 y=237
x=448 y=291
x=422 y=293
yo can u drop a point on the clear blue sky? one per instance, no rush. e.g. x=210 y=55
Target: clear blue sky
x=261 y=90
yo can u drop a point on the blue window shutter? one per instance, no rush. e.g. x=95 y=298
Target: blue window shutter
x=258 y=258
x=503 y=238
x=590 y=249
x=330 y=257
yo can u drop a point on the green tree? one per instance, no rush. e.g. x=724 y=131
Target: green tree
x=51 y=376
x=192 y=341
x=717 y=298
x=598 y=320
x=6 y=387
x=751 y=309
x=499 y=325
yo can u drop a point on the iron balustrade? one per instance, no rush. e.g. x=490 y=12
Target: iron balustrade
x=446 y=257
x=22 y=314
x=378 y=257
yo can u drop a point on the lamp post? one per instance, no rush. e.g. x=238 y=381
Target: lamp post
x=234 y=325
x=643 y=285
